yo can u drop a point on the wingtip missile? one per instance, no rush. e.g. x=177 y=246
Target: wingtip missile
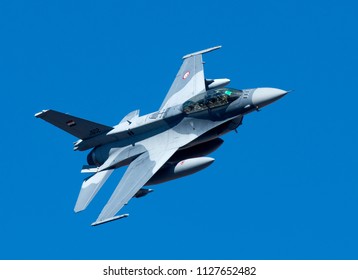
x=201 y=52
x=109 y=220
x=38 y=115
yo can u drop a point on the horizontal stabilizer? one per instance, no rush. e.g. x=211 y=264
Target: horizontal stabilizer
x=78 y=127
x=110 y=219
x=90 y=188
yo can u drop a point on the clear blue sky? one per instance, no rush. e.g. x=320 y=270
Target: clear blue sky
x=284 y=187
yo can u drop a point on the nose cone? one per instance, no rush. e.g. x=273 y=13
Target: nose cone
x=264 y=96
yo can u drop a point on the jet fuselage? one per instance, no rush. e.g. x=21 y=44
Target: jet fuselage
x=214 y=105
x=161 y=146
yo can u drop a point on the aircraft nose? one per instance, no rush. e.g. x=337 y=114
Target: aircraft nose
x=264 y=96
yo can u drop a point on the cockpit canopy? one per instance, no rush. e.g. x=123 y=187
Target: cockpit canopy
x=211 y=99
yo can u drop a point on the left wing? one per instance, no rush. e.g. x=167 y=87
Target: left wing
x=138 y=173
x=189 y=81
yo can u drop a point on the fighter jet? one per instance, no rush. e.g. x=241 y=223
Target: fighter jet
x=164 y=145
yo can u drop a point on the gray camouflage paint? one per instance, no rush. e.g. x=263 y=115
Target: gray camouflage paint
x=147 y=142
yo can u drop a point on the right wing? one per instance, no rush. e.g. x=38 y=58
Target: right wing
x=189 y=81
x=80 y=128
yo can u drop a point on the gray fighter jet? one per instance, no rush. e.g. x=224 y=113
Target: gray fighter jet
x=165 y=145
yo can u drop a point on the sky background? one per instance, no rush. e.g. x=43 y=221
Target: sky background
x=284 y=187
